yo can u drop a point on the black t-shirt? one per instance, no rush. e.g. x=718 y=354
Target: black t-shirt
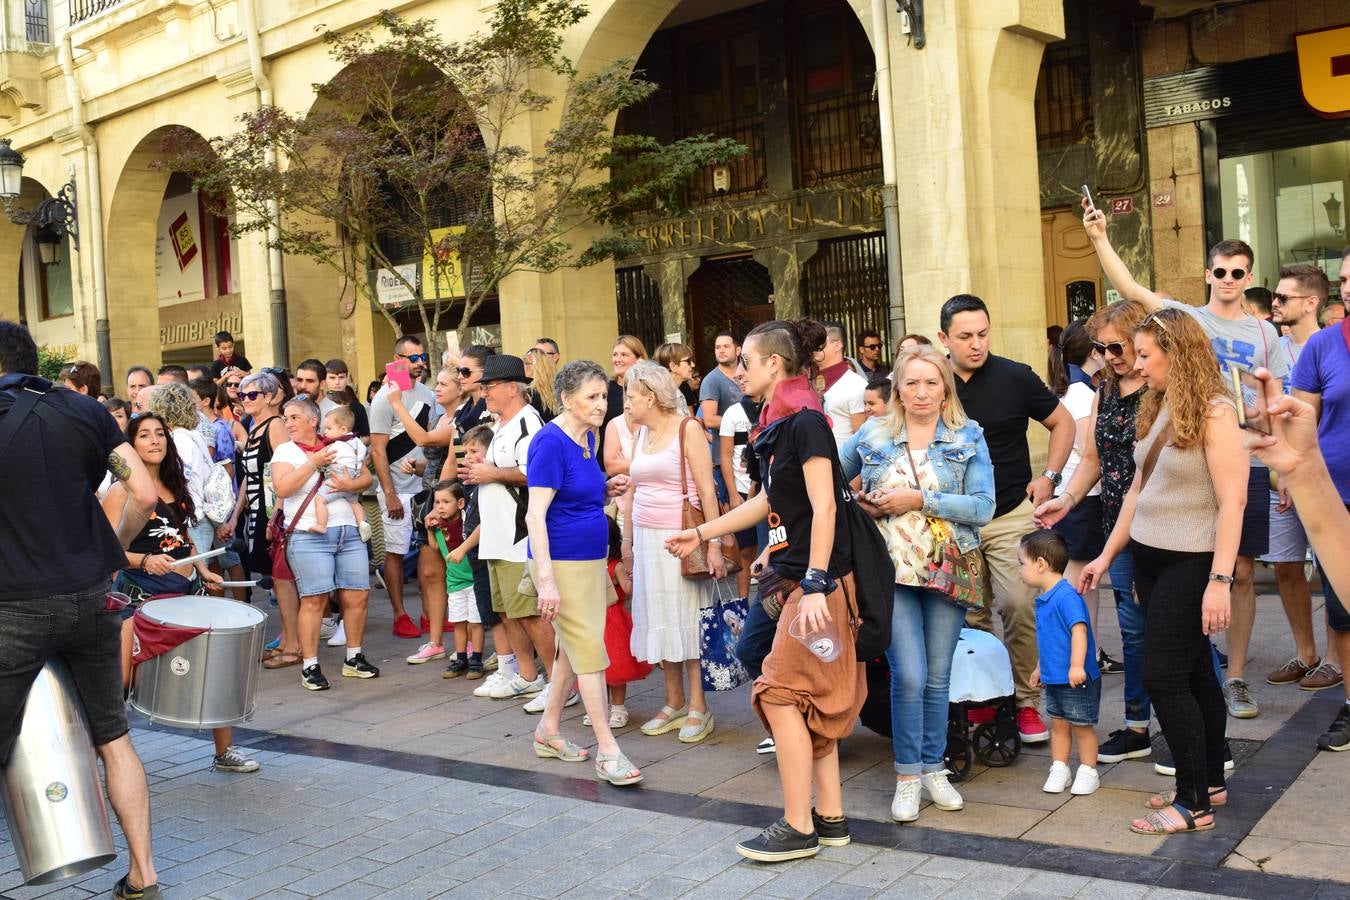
x=796 y=439
x=1002 y=396
x=54 y=537
x=239 y=362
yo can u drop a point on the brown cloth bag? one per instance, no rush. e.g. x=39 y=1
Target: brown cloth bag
x=695 y=565
x=828 y=694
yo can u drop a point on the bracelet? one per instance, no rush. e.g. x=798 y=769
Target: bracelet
x=698 y=534
x=1073 y=501
x=1221 y=579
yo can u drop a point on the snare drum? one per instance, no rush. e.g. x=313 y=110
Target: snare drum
x=209 y=680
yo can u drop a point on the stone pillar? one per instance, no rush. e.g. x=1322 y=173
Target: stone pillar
x=785 y=272
x=672 y=277
x=968 y=188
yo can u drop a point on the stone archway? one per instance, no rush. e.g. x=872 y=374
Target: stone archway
x=31 y=285
x=11 y=251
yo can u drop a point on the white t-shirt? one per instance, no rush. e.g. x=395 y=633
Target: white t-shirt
x=421 y=405
x=734 y=422
x=338 y=513
x=350 y=459
x=1078 y=401
x=197 y=464
x=844 y=400
x=496 y=507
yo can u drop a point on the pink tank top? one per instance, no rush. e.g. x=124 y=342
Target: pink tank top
x=656 y=485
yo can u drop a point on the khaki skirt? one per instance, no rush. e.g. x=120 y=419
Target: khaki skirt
x=580 y=625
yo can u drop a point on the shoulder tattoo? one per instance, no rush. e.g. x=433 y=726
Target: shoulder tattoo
x=118 y=466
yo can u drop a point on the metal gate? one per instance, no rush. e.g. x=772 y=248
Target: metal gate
x=639 y=302
x=845 y=282
x=733 y=294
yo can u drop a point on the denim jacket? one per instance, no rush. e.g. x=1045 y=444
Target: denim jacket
x=961 y=463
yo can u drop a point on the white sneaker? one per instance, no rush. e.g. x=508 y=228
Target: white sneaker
x=339 y=638
x=1059 y=778
x=905 y=806
x=1085 y=782
x=536 y=706
x=516 y=687
x=327 y=628
x=490 y=684
x=766 y=746
x=941 y=792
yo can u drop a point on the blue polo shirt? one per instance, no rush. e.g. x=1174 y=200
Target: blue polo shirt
x=1057 y=611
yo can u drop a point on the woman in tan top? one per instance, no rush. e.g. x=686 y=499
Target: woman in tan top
x=1181 y=520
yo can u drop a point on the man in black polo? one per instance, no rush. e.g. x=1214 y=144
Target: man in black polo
x=57 y=552
x=1002 y=395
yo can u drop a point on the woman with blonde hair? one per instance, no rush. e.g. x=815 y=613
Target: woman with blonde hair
x=926 y=475
x=1181 y=521
x=627 y=351
x=543 y=395
x=671 y=463
x=679 y=359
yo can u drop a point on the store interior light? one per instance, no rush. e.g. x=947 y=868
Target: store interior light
x=1333 y=208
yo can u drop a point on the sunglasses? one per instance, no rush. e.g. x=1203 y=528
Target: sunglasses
x=871 y=346
x=1115 y=348
x=1285 y=298
x=1157 y=318
x=465 y=372
x=232 y=384
x=250 y=395
x=274 y=370
x=745 y=359
x=1238 y=274
x=414 y=357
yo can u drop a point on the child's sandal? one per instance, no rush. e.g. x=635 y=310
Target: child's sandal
x=1157 y=823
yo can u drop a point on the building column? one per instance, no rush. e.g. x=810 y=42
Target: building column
x=970 y=218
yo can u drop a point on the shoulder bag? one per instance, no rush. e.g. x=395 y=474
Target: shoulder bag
x=695 y=565
x=957 y=576
x=279 y=535
x=1151 y=460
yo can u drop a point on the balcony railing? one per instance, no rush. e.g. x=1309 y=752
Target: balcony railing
x=749 y=174
x=37 y=21
x=837 y=139
x=81 y=10
x=1064 y=97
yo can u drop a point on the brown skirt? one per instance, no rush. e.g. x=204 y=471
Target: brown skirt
x=828 y=695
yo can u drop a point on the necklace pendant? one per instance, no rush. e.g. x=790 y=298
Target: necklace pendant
x=585 y=452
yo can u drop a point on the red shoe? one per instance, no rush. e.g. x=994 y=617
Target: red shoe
x=404 y=627
x=424 y=623
x=1030 y=726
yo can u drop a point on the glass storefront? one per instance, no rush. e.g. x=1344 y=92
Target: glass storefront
x=1289 y=204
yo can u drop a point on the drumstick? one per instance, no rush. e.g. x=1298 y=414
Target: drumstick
x=234 y=584
x=188 y=560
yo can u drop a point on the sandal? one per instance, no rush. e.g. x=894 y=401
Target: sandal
x=1157 y=823
x=616 y=769
x=1217 y=797
x=697 y=726
x=668 y=719
x=568 y=752
x=281 y=659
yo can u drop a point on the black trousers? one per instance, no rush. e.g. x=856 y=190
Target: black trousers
x=1178 y=668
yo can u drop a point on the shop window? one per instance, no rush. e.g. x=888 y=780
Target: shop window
x=45 y=290
x=37 y=21
x=1289 y=204
x=1064 y=97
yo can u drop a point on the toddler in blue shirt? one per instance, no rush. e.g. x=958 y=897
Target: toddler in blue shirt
x=1068 y=661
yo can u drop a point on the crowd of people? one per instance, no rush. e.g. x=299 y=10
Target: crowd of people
x=569 y=526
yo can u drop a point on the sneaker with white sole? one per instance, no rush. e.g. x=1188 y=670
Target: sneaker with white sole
x=427 y=653
x=766 y=746
x=941 y=792
x=327 y=628
x=490 y=684
x=490 y=663
x=1238 y=698
x=339 y=636
x=905 y=805
x=1164 y=765
x=1059 y=778
x=517 y=687
x=1085 y=782
x=536 y=706
x=232 y=760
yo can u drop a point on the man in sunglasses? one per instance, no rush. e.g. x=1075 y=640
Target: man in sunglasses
x=390 y=447
x=1242 y=340
x=869 y=355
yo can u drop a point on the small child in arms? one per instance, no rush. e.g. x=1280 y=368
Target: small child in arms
x=1068 y=667
x=337 y=432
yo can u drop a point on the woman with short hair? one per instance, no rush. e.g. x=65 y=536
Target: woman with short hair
x=679 y=359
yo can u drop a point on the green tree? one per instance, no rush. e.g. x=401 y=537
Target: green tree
x=411 y=154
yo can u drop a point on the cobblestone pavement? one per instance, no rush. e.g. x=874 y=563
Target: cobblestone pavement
x=310 y=827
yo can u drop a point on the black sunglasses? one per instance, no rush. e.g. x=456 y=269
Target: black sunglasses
x=871 y=346
x=414 y=357
x=250 y=395
x=233 y=384
x=1238 y=274
x=1115 y=348
x=465 y=372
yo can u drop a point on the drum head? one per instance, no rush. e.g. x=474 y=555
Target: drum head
x=215 y=613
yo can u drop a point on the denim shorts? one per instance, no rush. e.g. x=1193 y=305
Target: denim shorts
x=324 y=563
x=1078 y=705
x=1254 y=542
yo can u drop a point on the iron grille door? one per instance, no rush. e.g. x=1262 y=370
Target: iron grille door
x=639 y=302
x=845 y=282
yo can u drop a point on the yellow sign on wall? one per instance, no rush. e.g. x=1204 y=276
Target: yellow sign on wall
x=1324 y=70
x=442 y=277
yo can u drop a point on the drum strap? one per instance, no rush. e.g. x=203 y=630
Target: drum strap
x=18 y=412
x=28 y=402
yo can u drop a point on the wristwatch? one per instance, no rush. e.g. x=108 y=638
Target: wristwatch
x=1055 y=477
x=1222 y=579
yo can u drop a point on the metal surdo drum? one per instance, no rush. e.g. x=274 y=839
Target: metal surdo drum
x=208 y=680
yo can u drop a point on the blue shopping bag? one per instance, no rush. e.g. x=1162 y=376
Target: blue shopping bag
x=720 y=628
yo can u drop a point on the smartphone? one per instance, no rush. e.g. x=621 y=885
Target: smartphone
x=397 y=373
x=1087 y=195
x=1250 y=394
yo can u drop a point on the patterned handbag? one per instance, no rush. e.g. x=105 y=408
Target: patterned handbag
x=956 y=575
x=720 y=628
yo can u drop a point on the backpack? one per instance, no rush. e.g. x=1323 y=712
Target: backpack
x=218 y=495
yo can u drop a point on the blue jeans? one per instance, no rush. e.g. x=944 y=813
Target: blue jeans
x=924 y=630
x=333 y=561
x=1130 y=616
x=756 y=638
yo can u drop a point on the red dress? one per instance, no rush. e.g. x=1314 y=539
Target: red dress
x=623 y=666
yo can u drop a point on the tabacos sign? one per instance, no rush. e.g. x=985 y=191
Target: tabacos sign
x=1199 y=106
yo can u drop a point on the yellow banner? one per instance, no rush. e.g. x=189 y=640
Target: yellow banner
x=1324 y=69
x=442 y=278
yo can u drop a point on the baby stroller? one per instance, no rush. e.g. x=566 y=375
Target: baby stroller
x=982 y=714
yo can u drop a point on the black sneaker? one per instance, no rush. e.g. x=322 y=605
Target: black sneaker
x=458 y=666
x=1337 y=737
x=779 y=842
x=1165 y=766
x=1125 y=744
x=358 y=667
x=124 y=891
x=1108 y=665
x=475 y=667
x=830 y=834
x=311 y=679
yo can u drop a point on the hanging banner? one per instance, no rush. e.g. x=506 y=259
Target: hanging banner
x=179 y=275
x=442 y=277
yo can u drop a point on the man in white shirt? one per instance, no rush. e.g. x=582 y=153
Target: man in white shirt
x=841 y=388
x=501 y=505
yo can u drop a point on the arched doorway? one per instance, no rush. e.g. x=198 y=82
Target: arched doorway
x=42 y=296
x=733 y=294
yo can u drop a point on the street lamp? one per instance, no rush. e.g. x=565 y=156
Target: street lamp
x=48 y=245
x=57 y=214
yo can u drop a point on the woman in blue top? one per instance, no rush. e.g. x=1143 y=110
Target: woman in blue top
x=569 y=551
x=927 y=476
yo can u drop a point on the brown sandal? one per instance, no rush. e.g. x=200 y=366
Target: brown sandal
x=281 y=660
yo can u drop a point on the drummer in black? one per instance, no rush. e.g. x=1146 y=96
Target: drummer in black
x=151 y=569
x=56 y=554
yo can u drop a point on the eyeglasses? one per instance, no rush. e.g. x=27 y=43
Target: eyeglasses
x=745 y=359
x=250 y=395
x=413 y=357
x=871 y=346
x=1115 y=348
x=465 y=372
x=1285 y=298
x=1238 y=274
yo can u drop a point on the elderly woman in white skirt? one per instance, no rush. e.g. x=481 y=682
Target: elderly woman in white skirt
x=666 y=604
